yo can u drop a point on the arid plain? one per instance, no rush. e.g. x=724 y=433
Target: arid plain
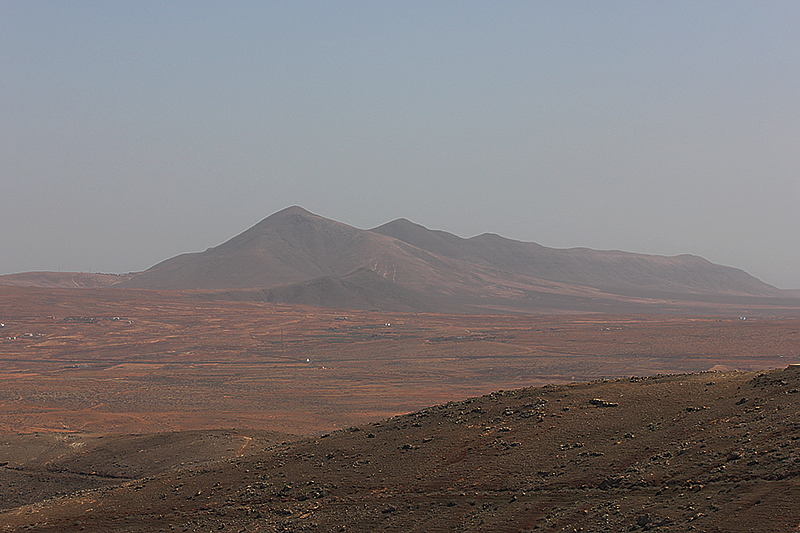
x=105 y=360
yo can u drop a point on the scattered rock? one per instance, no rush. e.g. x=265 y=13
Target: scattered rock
x=591 y=454
x=603 y=403
x=610 y=483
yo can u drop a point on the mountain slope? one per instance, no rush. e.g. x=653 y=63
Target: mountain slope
x=289 y=246
x=362 y=289
x=582 y=266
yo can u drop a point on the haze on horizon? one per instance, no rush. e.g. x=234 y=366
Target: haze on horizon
x=135 y=131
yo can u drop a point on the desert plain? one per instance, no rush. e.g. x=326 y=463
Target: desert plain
x=105 y=360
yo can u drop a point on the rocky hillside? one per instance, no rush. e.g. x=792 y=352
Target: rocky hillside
x=706 y=452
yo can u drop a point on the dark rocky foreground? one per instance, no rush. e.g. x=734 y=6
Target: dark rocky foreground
x=715 y=452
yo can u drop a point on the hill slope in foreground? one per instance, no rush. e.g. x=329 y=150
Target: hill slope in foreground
x=707 y=452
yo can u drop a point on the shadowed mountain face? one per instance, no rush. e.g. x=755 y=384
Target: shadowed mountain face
x=362 y=289
x=297 y=256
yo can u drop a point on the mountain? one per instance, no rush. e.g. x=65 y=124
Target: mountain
x=297 y=256
x=288 y=247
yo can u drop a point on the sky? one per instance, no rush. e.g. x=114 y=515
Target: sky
x=131 y=132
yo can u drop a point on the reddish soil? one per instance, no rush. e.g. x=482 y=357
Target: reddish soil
x=143 y=361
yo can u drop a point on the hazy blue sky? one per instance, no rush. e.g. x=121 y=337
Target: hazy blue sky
x=133 y=131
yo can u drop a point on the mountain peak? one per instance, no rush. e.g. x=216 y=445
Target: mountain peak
x=291 y=210
x=402 y=229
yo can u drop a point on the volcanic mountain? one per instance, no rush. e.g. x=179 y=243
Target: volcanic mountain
x=422 y=269
x=290 y=246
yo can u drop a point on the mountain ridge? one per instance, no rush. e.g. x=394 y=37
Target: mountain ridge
x=559 y=264
x=297 y=256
